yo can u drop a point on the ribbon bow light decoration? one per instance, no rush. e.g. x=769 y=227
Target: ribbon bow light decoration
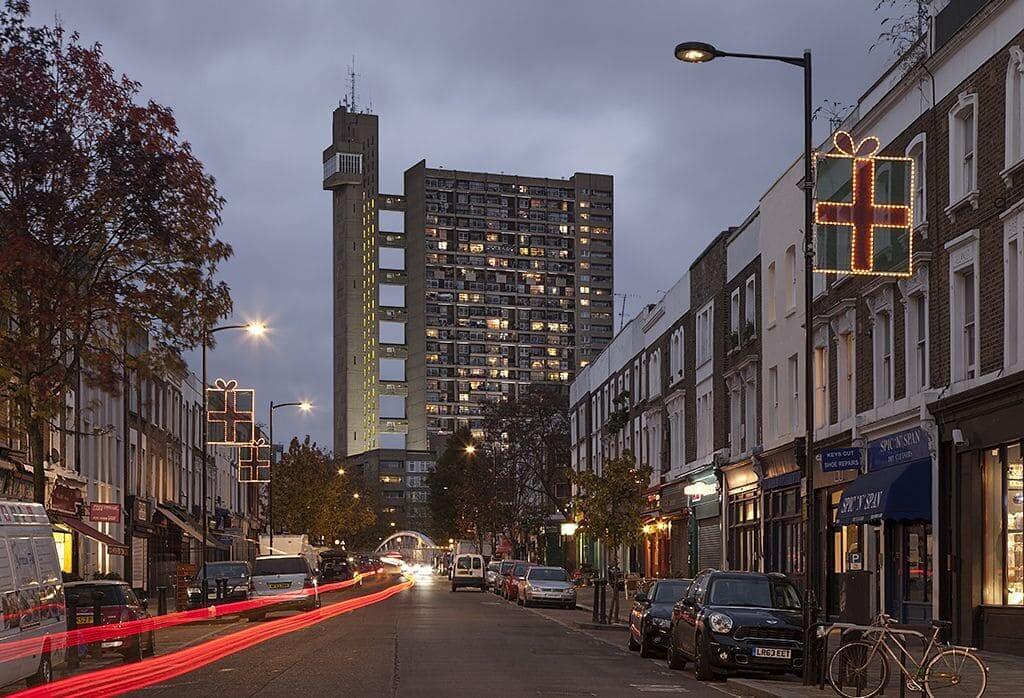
x=254 y=461
x=230 y=416
x=864 y=210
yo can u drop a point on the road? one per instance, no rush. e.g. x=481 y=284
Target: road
x=428 y=641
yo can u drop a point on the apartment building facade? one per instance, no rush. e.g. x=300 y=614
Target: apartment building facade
x=465 y=288
x=917 y=380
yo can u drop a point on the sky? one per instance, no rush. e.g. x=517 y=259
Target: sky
x=533 y=87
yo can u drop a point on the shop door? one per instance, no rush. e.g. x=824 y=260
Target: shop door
x=909 y=581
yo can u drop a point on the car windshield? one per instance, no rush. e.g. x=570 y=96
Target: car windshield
x=493 y=566
x=233 y=569
x=520 y=570
x=108 y=595
x=757 y=592
x=506 y=567
x=670 y=592
x=279 y=565
x=547 y=574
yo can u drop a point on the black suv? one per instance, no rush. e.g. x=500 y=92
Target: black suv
x=737 y=620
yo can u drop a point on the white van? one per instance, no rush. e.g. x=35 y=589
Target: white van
x=32 y=594
x=468 y=571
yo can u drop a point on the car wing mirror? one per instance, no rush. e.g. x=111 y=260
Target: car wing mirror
x=640 y=597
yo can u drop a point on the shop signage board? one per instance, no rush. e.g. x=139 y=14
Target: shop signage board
x=896 y=449
x=835 y=459
x=104 y=513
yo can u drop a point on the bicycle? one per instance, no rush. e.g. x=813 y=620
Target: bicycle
x=860 y=668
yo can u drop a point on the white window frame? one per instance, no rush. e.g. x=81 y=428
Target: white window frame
x=846 y=360
x=750 y=302
x=961 y=190
x=821 y=380
x=770 y=295
x=773 y=398
x=917 y=151
x=963 y=255
x=1014 y=113
x=883 y=373
x=735 y=415
x=654 y=369
x=750 y=410
x=704 y=323
x=794 y=390
x=791 y=280
x=734 y=311
x=1013 y=287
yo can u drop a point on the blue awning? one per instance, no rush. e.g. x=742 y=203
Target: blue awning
x=900 y=493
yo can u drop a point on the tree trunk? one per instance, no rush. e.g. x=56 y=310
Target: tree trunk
x=36 y=457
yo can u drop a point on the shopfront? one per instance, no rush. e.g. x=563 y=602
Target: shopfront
x=706 y=522
x=981 y=515
x=743 y=516
x=782 y=513
x=655 y=536
x=842 y=545
x=885 y=521
x=675 y=511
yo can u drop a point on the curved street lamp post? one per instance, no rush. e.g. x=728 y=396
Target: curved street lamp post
x=305 y=406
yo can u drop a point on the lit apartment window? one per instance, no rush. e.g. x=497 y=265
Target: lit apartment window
x=963 y=140
x=1013 y=260
x=820 y=387
x=916 y=152
x=794 y=385
x=773 y=400
x=917 y=343
x=791 y=273
x=883 y=357
x=770 y=295
x=1015 y=108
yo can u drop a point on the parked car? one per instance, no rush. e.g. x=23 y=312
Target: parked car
x=504 y=569
x=737 y=620
x=510 y=588
x=468 y=571
x=287 y=576
x=335 y=566
x=546 y=585
x=237 y=574
x=118 y=604
x=31 y=589
x=491 y=573
x=650 y=619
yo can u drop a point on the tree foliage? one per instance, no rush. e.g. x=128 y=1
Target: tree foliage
x=609 y=505
x=311 y=497
x=107 y=222
x=465 y=501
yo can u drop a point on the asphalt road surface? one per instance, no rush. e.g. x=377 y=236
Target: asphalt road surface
x=428 y=641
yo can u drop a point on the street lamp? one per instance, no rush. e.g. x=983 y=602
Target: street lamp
x=698 y=52
x=470 y=449
x=304 y=406
x=355 y=495
x=254 y=329
x=341 y=471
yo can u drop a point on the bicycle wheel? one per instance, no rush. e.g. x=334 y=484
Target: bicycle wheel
x=858 y=670
x=955 y=672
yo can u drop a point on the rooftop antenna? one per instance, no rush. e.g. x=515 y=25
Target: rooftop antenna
x=622 y=313
x=351 y=98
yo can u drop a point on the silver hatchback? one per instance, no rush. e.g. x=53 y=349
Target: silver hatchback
x=547 y=585
x=287 y=576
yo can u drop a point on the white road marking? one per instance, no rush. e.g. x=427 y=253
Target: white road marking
x=658 y=688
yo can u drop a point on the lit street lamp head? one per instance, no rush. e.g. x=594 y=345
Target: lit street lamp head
x=696 y=52
x=470 y=449
x=305 y=405
x=256 y=329
x=355 y=495
x=341 y=471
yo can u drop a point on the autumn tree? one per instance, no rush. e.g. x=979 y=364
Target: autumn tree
x=465 y=496
x=311 y=497
x=107 y=222
x=609 y=504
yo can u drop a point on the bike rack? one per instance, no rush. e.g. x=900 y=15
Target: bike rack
x=845 y=628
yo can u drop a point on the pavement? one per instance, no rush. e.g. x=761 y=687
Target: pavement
x=428 y=641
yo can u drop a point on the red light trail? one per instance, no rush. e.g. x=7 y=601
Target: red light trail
x=122 y=679
x=119 y=631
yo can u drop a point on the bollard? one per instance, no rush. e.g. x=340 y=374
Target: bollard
x=222 y=588
x=161 y=601
x=600 y=600
x=596 y=611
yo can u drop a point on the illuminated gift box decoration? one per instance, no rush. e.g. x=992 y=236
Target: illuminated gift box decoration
x=254 y=462
x=230 y=419
x=864 y=213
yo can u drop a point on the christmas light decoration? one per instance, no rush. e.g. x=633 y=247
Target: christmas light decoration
x=865 y=202
x=230 y=419
x=254 y=462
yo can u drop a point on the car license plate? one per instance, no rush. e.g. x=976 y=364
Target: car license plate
x=84 y=620
x=772 y=653
x=279 y=585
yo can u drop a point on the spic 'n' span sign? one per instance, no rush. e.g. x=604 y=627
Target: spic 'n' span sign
x=864 y=213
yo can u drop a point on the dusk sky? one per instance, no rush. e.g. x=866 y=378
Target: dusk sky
x=529 y=87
